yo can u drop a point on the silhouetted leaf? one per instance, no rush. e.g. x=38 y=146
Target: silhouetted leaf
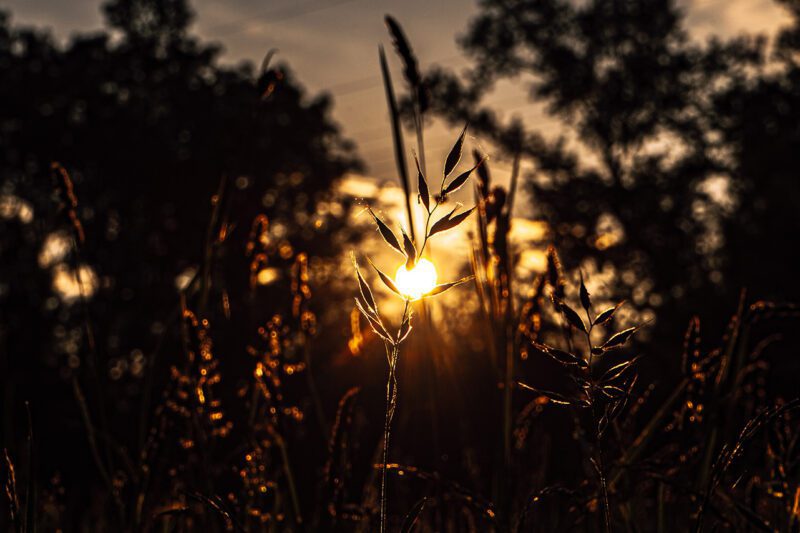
x=412 y=516
x=617 y=370
x=385 y=279
x=366 y=292
x=411 y=252
x=422 y=186
x=444 y=219
x=455 y=154
x=605 y=316
x=612 y=392
x=618 y=339
x=450 y=221
x=561 y=356
x=439 y=289
x=484 y=180
x=267 y=60
x=586 y=302
x=550 y=395
x=460 y=180
x=375 y=323
x=572 y=317
x=387 y=234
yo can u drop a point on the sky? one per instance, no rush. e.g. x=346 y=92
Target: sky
x=332 y=45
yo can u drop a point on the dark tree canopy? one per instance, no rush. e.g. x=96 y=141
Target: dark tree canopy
x=689 y=150
x=147 y=126
x=144 y=20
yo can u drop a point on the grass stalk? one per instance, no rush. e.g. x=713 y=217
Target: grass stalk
x=598 y=453
x=397 y=137
x=287 y=470
x=392 y=353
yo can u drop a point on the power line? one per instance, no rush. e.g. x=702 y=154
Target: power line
x=371 y=82
x=275 y=15
x=353 y=86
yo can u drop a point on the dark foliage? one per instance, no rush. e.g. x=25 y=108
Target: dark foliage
x=660 y=116
x=169 y=154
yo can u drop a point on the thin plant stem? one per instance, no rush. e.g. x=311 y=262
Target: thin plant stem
x=427 y=227
x=287 y=470
x=78 y=238
x=208 y=253
x=598 y=451
x=510 y=348
x=392 y=353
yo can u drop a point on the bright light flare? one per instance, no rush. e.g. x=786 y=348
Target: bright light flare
x=418 y=281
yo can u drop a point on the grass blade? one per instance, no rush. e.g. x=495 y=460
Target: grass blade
x=387 y=234
x=397 y=136
x=413 y=515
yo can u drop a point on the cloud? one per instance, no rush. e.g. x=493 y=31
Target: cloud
x=62 y=18
x=726 y=18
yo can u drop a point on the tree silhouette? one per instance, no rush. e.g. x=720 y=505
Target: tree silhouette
x=756 y=120
x=683 y=149
x=148 y=124
x=143 y=21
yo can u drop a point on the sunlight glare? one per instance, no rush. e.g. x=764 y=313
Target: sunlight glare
x=418 y=281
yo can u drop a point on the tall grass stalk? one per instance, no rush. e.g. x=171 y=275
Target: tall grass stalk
x=397 y=137
x=492 y=266
x=69 y=200
x=367 y=304
x=392 y=353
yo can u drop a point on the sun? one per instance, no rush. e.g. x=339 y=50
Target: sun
x=418 y=281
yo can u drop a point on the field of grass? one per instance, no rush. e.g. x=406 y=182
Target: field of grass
x=484 y=402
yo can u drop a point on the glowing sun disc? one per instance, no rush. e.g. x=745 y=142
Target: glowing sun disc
x=418 y=281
